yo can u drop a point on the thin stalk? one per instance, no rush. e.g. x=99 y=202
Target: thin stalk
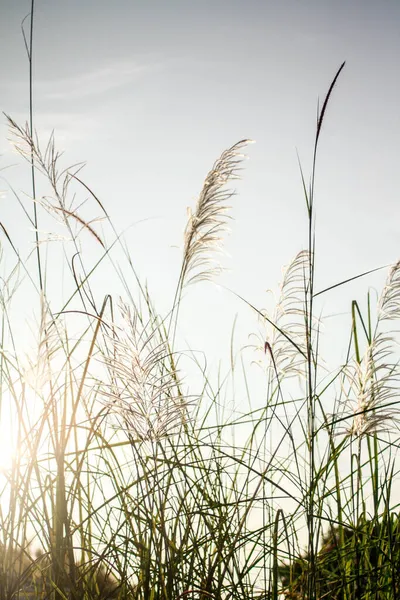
x=311 y=365
x=29 y=49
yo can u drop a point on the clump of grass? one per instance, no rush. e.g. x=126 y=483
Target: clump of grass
x=126 y=485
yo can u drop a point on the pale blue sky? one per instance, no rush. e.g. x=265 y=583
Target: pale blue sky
x=150 y=92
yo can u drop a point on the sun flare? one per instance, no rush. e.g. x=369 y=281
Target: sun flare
x=8 y=444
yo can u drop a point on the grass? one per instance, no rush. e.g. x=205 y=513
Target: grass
x=126 y=485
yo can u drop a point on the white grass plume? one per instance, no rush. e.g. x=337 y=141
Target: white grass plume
x=389 y=303
x=287 y=336
x=209 y=221
x=374 y=382
x=143 y=389
x=47 y=163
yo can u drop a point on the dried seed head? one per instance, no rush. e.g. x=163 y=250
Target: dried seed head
x=205 y=226
x=144 y=389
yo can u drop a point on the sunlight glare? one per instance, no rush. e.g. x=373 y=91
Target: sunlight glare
x=8 y=451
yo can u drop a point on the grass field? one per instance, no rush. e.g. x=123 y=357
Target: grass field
x=125 y=484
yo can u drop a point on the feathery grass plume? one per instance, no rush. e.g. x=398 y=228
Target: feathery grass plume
x=389 y=303
x=290 y=318
x=208 y=222
x=375 y=380
x=143 y=390
x=47 y=163
x=37 y=372
x=286 y=332
x=373 y=390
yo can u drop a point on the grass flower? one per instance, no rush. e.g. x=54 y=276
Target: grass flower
x=205 y=226
x=143 y=391
x=374 y=381
x=374 y=384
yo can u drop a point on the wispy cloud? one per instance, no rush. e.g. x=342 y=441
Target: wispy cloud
x=94 y=82
x=59 y=102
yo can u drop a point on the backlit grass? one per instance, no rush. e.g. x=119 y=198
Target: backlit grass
x=124 y=483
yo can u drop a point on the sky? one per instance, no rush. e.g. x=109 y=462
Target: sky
x=149 y=93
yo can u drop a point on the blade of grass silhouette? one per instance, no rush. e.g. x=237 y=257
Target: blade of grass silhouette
x=335 y=285
x=275 y=576
x=90 y=273
x=303 y=182
x=117 y=236
x=281 y=331
x=311 y=366
x=21 y=262
x=83 y=312
x=355 y=309
x=91 y=193
x=29 y=51
x=325 y=104
x=19 y=202
x=100 y=322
